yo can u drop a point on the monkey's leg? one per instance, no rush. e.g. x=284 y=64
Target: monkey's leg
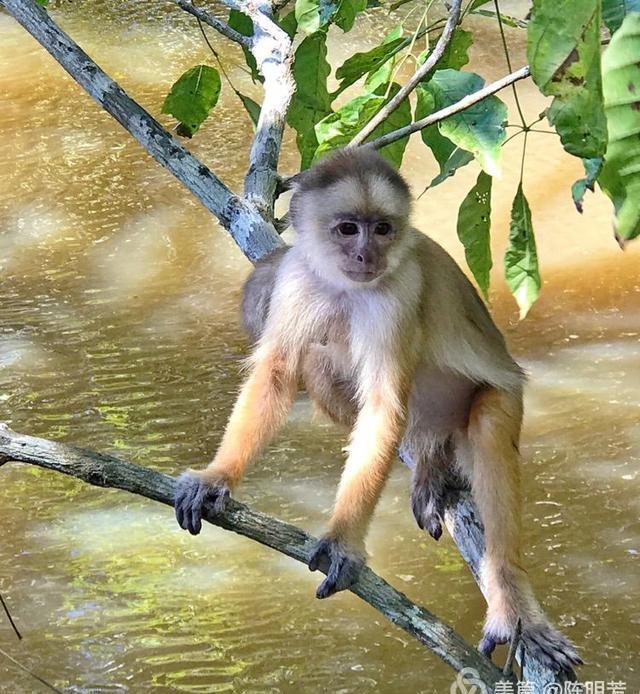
x=261 y=407
x=494 y=432
x=326 y=378
x=341 y=552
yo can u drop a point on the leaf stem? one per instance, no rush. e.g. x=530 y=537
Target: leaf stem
x=524 y=153
x=508 y=57
x=216 y=55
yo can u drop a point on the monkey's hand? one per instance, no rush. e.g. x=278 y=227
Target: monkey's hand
x=340 y=563
x=192 y=490
x=541 y=641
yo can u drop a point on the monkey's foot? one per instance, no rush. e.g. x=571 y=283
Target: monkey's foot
x=428 y=509
x=191 y=493
x=341 y=564
x=542 y=642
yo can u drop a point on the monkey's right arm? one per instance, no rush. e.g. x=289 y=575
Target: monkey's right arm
x=262 y=405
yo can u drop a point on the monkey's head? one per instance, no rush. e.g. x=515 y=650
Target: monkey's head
x=350 y=213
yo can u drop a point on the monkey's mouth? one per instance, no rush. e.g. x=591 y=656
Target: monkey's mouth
x=362 y=275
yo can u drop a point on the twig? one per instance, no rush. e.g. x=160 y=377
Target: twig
x=421 y=72
x=217 y=24
x=508 y=59
x=107 y=471
x=459 y=106
x=30 y=672
x=10 y=618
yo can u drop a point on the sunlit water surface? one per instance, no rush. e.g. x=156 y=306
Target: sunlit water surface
x=119 y=332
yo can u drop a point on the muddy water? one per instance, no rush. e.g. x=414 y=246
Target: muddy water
x=119 y=331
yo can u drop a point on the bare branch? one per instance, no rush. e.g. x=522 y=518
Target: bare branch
x=107 y=471
x=419 y=75
x=249 y=229
x=459 y=106
x=271 y=48
x=210 y=19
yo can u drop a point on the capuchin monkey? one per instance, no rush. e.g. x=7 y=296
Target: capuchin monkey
x=390 y=338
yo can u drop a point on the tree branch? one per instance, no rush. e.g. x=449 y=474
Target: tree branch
x=249 y=229
x=271 y=47
x=210 y=19
x=419 y=75
x=459 y=106
x=106 y=471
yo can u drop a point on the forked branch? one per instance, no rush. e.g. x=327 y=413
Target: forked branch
x=106 y=471
x=462 y=105
x=418 y=76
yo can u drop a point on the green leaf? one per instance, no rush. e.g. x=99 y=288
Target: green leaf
x=521 y=258
x=42 y=3
x=564 y=55
x=314 y=14
x=592 y=168
x=359 y=64
x=382 y=76
x=289 y=24
x=474 y=221
x=243 y=25
x=252 y=108
x=449 y=157
x=456 y=160
x=614 y=12
x=339 y=128
x=620 y=177
x=192 y=97
x=456 y=54
x=311 y=101
x=507 y=19
x=347 y=12
x=394 y=152
x=480 y=128
x=475 y=4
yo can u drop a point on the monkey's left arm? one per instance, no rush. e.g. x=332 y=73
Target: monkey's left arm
x=372 y=449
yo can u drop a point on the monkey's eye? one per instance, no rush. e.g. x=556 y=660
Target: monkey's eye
x=382 y=228
x=348 y=228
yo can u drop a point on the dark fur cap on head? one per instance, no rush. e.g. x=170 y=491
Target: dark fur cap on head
x=360 y=164
x=350 y=163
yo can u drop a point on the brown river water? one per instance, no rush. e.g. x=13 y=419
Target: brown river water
x=119 y=331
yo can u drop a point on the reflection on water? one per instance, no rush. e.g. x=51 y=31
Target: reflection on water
x=119 y=331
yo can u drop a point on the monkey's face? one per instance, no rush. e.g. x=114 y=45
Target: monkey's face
x=350 y=215
x=363 y=243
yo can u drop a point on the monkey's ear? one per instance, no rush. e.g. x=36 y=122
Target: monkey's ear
x=292 y=182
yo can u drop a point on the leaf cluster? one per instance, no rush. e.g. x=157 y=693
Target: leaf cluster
x=594 y=107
